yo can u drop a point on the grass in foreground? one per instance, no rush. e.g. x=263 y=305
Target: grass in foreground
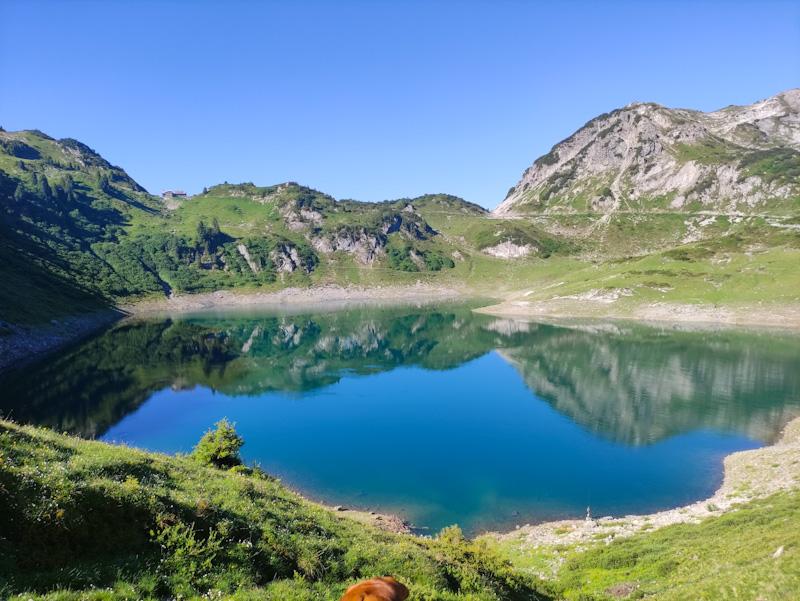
x=88 y=520
x=751 y=553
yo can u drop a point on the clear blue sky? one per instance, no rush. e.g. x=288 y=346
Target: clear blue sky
x=370 y=100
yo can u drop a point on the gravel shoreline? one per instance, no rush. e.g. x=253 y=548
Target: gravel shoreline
x=783 y=316
x=748 y=475
x=296 y=297
x=20 y=344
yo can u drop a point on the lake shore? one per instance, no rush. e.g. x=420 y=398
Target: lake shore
x=382 y=521
x=748 y=475
x=512 y=306
x=288 y=298
x=21 y=344
x=778 y=316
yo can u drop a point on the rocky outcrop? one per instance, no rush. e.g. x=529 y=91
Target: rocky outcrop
x=255 y=267
x=367 y=243
x=283 y=257
x=301 y=219
x=509 y=250
x=364 y=245
x=407 y=222
x=287 y=259
x=650 y=157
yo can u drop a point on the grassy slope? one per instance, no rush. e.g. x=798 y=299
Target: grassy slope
x=753 y=264
x=45 y=245
x=244 y=215
x=78 y=516
x=722 y=558
x=733 y=264
x=46 y=293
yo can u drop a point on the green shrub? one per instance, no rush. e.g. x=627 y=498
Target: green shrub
x=188 y=558
x=400 y=258
x=436 y=261
x=219 y=447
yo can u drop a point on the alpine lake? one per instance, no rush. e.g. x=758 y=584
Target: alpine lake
x=434 y=413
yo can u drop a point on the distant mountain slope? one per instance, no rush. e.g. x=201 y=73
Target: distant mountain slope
x=60 y=202
x=78 y=233
x=647 y=157
x=72 y=218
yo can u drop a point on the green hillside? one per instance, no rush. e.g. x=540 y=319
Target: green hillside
x=78 y=219
x=78 y=233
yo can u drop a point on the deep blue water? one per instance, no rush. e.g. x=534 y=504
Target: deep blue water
x=441 y=416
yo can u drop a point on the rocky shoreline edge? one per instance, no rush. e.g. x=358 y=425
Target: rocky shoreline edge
x=302 y=298
x=748 y=476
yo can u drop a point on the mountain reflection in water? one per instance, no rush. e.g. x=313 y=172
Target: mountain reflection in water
x=626 y=382
x=436 y=413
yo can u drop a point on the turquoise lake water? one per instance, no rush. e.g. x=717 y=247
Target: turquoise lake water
x=437 y=414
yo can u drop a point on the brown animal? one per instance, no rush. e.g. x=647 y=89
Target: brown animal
x=384 y=588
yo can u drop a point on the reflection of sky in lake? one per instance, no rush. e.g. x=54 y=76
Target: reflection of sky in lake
x=437 y=413
x=470 y=445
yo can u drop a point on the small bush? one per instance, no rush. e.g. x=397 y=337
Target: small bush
x=219 y=447
x=400 y=258
x=436 y=261
x=188 y=557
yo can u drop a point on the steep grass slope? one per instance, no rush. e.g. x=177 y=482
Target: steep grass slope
x=87 y=520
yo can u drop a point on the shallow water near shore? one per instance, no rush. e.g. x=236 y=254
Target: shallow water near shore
x=435 y=413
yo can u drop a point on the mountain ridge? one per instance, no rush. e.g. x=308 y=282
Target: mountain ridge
x=94 y=237
x=645 y=156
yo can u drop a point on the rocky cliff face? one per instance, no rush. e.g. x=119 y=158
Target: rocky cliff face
x=368 y=243
x=649 y=157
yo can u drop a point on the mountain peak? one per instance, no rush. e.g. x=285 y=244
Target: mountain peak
x=646 y=156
